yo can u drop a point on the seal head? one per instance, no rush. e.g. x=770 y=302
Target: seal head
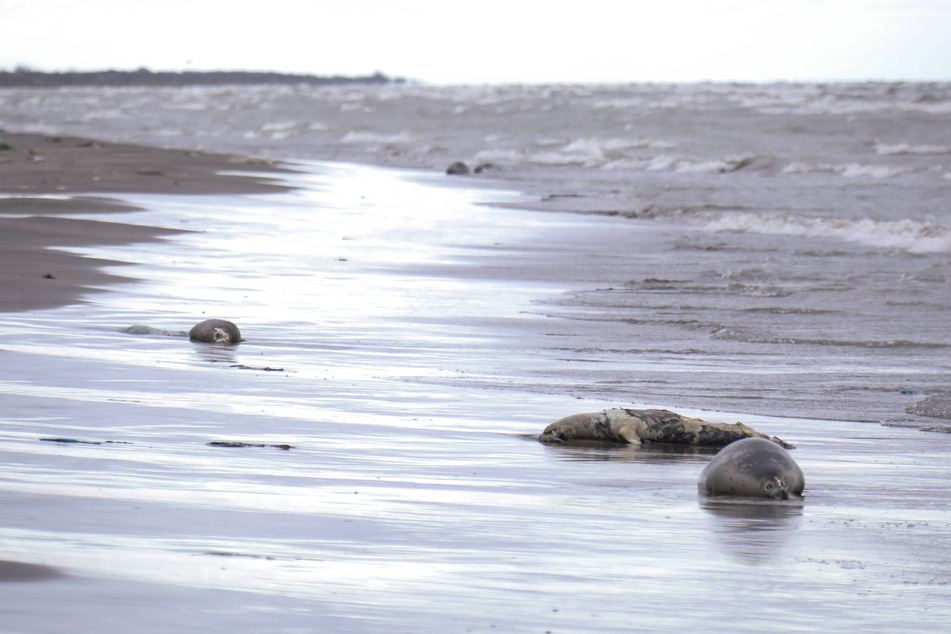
x=215 y=331
x=752 y=467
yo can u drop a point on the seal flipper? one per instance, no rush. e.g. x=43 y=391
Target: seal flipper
x=749 y=432
x=628 y=432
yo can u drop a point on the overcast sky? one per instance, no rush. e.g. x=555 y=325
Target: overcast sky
x=477 y=41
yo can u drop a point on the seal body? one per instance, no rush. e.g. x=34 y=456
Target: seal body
x=458 y=169
x=752 y=467
x=637 y=426
x=215 y=331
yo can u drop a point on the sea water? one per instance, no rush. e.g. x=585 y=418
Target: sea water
x=795 y=237
x=408 y=340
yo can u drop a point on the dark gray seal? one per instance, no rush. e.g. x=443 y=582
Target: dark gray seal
x=458 y=169
x=636 y=426
x=215 y=331
x=752 y=467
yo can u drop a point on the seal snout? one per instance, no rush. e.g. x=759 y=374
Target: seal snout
x=776 y=488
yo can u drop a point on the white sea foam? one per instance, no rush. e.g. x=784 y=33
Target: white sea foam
x=601 y=146
x=683 y=164
x=619 y=103
x=905 y=235
x=278 y=126
x=500 y=157
x=845 y=99
x=587 y=152
x=611 y=154
x=565 y=158
x=853 y=170
x=372 y=137
x=850 y=170
x=714 y=166
x=905 y=148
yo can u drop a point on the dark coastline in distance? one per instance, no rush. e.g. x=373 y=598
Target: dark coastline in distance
x=144 y=77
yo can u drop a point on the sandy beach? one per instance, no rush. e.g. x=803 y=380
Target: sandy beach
x=408 y=357
x=46 y=179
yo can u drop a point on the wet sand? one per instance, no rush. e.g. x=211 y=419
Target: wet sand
x=46 y=179
x=410 y=384
x=40 y=164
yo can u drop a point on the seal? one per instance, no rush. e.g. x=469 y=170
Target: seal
x=215 y=331
x=752 y=467
x=636 y=426
x=458 y=169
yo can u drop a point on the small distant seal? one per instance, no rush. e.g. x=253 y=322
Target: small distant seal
x=752 y=467
x=141 y=329
x=636 y=426
x=215 y=331
x=458 y=169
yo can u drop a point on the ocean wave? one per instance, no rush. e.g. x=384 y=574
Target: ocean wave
x=847 y=98
x=850 y=170
x=588 y=152
x=602 y=146
x=906 y=148
x=505 y=157
x=906 y=235
x=683 y=164
x=935 y=406
x=376 y=138
x=750 y=335
x=611 y=154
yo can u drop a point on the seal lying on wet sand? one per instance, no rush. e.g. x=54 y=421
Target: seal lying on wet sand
x=752 y=467
x=215 y=331
x=636 y=426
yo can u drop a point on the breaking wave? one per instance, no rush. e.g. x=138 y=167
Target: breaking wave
x=906 y=148
x=906 y=235
x=850 y=170
x=614 y=154
x=749 y=335
x=374 y=138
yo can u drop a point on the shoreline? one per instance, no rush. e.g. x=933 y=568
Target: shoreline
x=395 y=341
x=78 y=175
x=44 y=179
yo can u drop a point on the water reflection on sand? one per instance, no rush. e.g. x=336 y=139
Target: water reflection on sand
x=754 y=532
x=415 y=497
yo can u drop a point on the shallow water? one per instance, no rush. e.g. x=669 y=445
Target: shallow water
x=778 y=249
x=408 y=343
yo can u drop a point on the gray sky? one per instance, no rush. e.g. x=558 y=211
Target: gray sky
x=476 y=41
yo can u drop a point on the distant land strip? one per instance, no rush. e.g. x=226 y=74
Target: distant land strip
x=145 y=77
